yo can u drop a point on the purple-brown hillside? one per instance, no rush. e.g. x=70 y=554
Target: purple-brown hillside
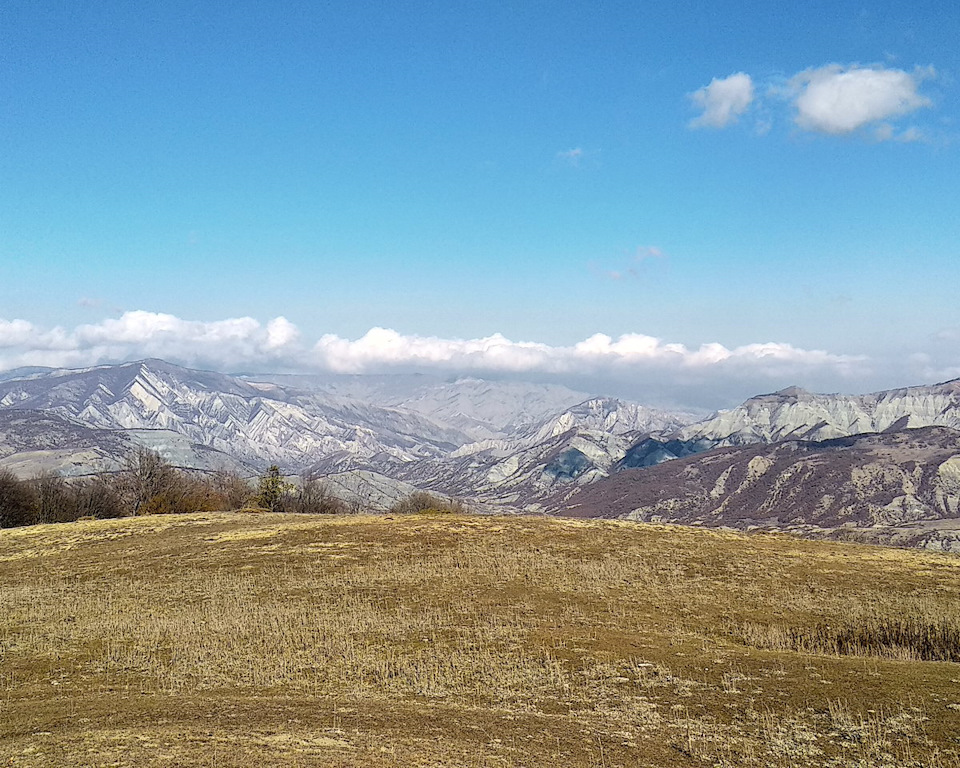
x=889 y=479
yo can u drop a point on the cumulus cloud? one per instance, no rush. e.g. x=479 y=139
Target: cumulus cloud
x=15 y=333
x=723 y=101
x=838 y=99
x=600 y=354
x=645 y=365
x=835 y=99
x=281 y=333
x=228 y=343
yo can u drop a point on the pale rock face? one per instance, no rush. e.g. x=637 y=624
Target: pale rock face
x=795 y=413
x=615 y=417
x=260 y=424
x=720 y=486
x=757 y=467
x=948 y=486
x=502 y=470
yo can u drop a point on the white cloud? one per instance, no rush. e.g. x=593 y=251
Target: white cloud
x=723 y=101
x=910 y=135
x=572 y=156
x=645 y=252
x=835 y=99
x=838 y=99
x=228 y=343
x=633 y=362
x=599 y=354
x=633 y=268
x=15 y=333
x=886 y=132
x=281 y=333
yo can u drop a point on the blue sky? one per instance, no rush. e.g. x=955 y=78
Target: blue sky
x=730 y=174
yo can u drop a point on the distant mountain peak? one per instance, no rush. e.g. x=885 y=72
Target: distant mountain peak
x=793 y=392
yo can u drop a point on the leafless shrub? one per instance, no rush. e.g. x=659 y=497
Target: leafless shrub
x=421 y=502
x=53 y=501
x=234 y=491
x=315 y=497
x=97 y=497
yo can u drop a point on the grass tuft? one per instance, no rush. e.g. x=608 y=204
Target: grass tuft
x=916 y=632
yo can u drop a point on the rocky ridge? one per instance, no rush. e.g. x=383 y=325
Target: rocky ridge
x=898 y=487
x=794 y=413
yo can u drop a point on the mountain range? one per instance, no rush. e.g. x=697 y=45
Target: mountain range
x=787 y=459
x=452 y=436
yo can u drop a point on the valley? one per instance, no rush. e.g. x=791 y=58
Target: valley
x=879 y=467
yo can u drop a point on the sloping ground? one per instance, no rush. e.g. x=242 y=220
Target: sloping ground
x=255 y=422
x=794 y=413
x=238 y=640
x=525 y=474
x=32 y=442
x=902 y=487
x=48 y=441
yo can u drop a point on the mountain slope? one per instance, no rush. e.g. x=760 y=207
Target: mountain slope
x=480 y=409
x=794 y=413
x=577 y=446
x=412 y=429
x=908 y=480
x=258 y=422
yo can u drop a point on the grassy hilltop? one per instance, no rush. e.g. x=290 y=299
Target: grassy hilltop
x=268 y=640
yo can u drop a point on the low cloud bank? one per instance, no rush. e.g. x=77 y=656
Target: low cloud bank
x=382 y=347
x=634 y=364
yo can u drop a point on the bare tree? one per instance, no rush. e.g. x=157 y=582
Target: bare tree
x=234 y=491
x=149 y=479
x=16 y=501
x=315 y=497
x=98 y=497
x=423 y=502
x=53 y=502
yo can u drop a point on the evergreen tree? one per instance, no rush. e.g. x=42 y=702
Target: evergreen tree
x=272 y=489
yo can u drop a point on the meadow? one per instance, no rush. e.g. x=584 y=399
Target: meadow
x=233 y=639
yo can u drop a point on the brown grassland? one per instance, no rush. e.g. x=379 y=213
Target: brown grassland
x=292 y=640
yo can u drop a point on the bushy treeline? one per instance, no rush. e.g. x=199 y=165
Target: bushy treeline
x=149 y=485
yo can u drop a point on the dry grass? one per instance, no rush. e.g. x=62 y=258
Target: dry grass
x=231 y=640
x=909 y=629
